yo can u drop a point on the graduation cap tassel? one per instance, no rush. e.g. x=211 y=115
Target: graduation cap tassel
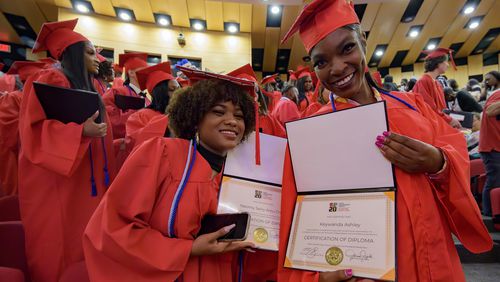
x=92 y=179
x=257 y=134
x=106 y=172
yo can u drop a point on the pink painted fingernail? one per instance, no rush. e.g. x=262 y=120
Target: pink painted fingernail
x=348 y=272
x=229 y=227
x=386 y=133
x=381 y=138
x=379 y=144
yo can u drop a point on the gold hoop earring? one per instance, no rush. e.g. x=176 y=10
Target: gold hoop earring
x=197 y=137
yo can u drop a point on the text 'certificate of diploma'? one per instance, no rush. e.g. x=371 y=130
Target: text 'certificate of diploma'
x=345 y=210
x=256 y=189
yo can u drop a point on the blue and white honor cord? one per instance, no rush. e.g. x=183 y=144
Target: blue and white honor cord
x=180 y=189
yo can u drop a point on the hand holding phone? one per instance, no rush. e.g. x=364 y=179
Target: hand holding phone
x=208 y=244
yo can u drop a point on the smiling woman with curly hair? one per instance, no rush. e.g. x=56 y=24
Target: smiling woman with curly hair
x=145 y=228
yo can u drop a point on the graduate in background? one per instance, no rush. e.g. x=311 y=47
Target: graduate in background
x=132 y=62
x=150 y=234
x=269 y=89
x=287 y=109
x=9 y=82
x=63 y=168
x=436 y=63
x=118 y=80
x=152 y=121
x=305 y=88
x=105 y=76
x=10 y=104
x=430 y=158
x=267 y=123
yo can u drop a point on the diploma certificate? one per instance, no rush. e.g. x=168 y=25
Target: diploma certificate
x=262 y=201
x=342 y=231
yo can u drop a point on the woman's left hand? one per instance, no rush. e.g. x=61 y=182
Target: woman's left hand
x=409 y=154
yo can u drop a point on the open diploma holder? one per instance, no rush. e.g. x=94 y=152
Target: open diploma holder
x=256 y=189
x=68 y=105
x=345 y=210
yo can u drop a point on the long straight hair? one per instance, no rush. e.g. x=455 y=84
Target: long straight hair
x=160 y=96
x=302 y=91
x=73 y=66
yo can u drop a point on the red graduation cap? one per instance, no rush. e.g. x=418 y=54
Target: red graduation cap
x=26 y=68
x=100 y=57
x=245 y=72
x=320 y=18
x=132 y=61
x=183 y=82
x=292 y=75
x=439 y=52
x=241 y=79
x=117 y=68
x=150 y=77
x=303 y=72
x=269 y=79
x=56 y=37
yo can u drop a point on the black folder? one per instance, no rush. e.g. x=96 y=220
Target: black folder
x=68 y=105
x=466 y=118
x=129 y=102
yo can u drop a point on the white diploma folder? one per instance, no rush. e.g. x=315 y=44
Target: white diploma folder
x=337 y=151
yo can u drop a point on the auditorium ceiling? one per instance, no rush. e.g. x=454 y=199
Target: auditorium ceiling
x=388 y=24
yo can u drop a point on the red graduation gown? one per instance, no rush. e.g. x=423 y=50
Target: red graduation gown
x=126 y=239
x=99 y=86
x=274 y=98
x=9 y=140
x=271 y=126
x=54 y=183
x=118 y=117
x=432 y=92
x=427 y=212
x=311 y=109
x=286 y=110
x=137 y=122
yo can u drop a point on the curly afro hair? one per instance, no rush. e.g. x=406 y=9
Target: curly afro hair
x=189 y=105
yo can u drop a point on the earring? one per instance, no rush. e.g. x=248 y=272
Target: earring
x=197 y=137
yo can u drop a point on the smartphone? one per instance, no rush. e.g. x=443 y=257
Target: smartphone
x=214 y=222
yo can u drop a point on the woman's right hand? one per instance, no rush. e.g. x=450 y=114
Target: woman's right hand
x=93 y=129
x=207 y=244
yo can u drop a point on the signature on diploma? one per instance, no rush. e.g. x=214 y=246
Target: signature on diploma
x=310 y=252
x=361 y=256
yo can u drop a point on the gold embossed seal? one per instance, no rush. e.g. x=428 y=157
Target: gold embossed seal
x=334 y=256
x=260 y=235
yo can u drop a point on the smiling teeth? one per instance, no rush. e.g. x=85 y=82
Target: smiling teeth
x=345 y=80
x=228 y=132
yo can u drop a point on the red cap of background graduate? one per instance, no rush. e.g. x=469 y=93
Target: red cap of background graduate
x=132 y=61
x=303 y=72
x=269 y=79
x=183 y=82
x=150 y=77
x=292 y=75
x=117 y=68
x=320 y=18
x=56 y=37
x=439 y=52
x=100 y=57
x=245 y=72
x=26 y=68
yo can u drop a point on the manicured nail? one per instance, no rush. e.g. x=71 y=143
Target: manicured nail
x=386 y=133
x=379 y=144
x=381 y=138
x=229 y=227
x=348 y=272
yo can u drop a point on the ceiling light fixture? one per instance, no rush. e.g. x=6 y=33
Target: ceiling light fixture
x=431 y=46
x=473 y=24
x=469 y=9
x=82 y=8
x=125 y=16
x=198 y=26
x=163 y=21
x=275 y=10
x=414 y=33
x=379 y=53
x=232 y=28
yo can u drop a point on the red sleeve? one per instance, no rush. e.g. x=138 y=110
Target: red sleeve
x=50 y=144
x=119 y=239
x=453 y=192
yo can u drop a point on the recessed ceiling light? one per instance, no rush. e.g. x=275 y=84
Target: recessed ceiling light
x=82 y=8
x=163 y=21
x=431 y=46
x=414 y=33
x=275 y=10
x=125 y=16
x=473 y=24
x=198 y=26
x=379 y=53
x=469 y=9
x=232 y=28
